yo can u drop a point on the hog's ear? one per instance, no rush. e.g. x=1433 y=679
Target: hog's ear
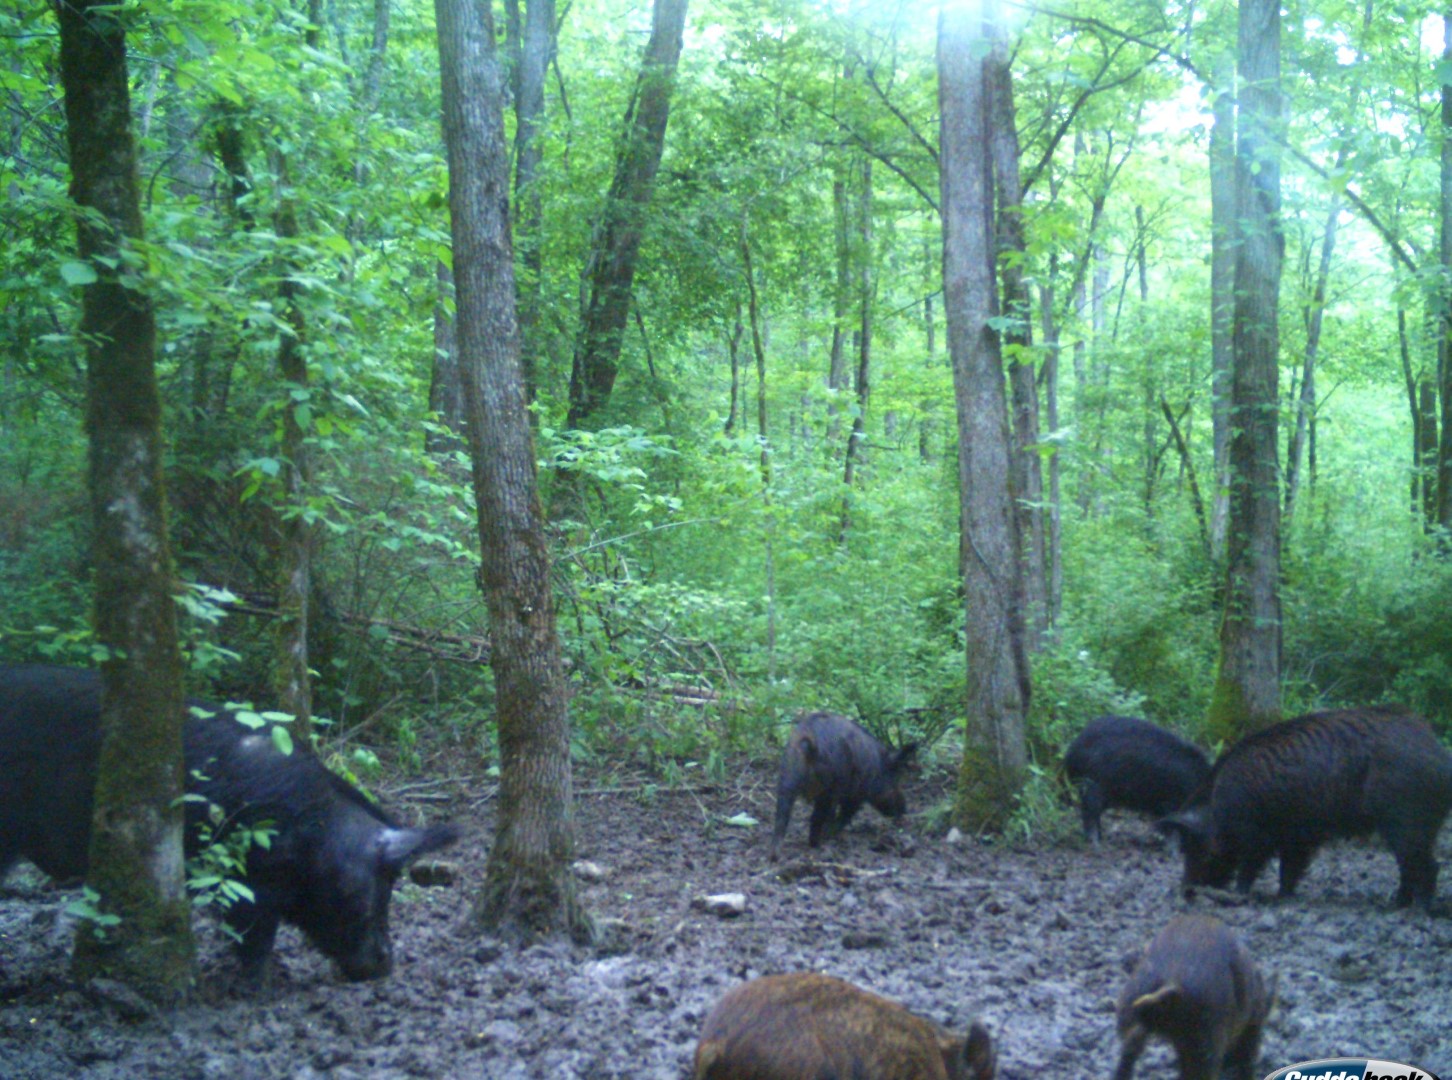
x=974 y=1052
x=898 y=760
x=399 y=847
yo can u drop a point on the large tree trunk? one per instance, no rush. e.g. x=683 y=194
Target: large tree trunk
x=537 y=51
x=1027 y=474
x=612 y=263
x=995 y=753
x=136 y=830
x=1247 y=694
x=1222 y=296
x=528 y=888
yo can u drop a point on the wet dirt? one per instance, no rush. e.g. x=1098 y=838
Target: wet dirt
x=1034 y=939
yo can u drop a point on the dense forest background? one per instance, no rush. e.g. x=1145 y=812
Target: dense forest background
x=760 y=514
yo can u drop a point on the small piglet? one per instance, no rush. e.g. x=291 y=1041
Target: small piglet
x=838 y=765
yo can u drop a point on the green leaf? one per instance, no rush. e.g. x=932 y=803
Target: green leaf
x=248 y=718
x=742 y=820
x=74 y=272
x=282 y=739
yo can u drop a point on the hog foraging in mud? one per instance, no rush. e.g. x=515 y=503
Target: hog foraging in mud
x=1197 y=987
x=1288 y=789
x=329 y=869
x=1120 y=762
x=838 y=765
x=789 y=1027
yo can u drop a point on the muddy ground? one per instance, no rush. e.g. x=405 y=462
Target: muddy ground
x=1032 y=938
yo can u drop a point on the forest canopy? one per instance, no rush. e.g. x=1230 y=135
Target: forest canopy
x=760 y=514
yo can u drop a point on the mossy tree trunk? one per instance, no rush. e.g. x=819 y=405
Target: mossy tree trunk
x=528 y=887
x=995 y=753
x=1247 y=692
x=136 y=860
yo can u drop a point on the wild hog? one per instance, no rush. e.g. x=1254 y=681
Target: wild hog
x=330 y=868
x=1197 y=987
x=806 y=1026
x=1288 y=789
x=838 y=766
x=1120 y=762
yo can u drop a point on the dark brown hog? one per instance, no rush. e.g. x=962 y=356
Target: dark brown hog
x=1288 y=789
x=805 y=1026
x=1122 y=762
x=838 y=765
x=1197 y=987
x=333 y=859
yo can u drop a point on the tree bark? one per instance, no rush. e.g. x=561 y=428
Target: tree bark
x=136 y=863
x=1012 y=255
x=1247 y=693
x=995 y=749
x=1223 y=243
x=611 y=272
x=528 y=888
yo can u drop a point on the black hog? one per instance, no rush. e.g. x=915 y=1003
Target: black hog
x=1288 y=789
x=804 y=1025
x=1197 y=987
x=329 y=869
x=838 y=765
x=1120 y=762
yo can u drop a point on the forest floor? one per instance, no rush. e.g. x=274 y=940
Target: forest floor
x=1034 y=939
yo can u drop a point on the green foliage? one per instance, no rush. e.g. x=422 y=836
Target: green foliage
x=215 y=873
x=87 y=908
x=664 y=603
x=1069 y=690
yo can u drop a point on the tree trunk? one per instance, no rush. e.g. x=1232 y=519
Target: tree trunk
x=733 y=343
x=136 y=832
x=612 y=265
x=1247 y=694
x=534 y=61
x=1444 y=306
x=758 y=350
x=863 y=384
x=1012 y=254
x=837 y=360
x=1306 y=405
x=1223 y=243
x=995 y=755
x=290 y=675
x=930 y=322
x=1148 y=388
x=446 y=388
x=528 y=888
x=1049 y=376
